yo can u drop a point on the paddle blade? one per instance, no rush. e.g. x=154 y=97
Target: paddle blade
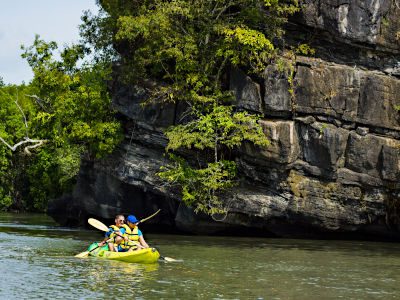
x=82 y=254
x=97 y=224
x=169 y=259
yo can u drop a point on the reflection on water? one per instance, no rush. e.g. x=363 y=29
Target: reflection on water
x=118 y=275
x=37 y=262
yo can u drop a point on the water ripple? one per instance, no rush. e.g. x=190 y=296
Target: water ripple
x=38 y=263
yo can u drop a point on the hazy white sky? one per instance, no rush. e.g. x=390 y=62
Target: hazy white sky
x=20 y=20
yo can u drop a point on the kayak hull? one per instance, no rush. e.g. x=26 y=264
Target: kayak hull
x=143 y=256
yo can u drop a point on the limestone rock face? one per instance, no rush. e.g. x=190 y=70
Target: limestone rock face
x=357 y=21
x=323 y=146
x=332 y=90
x=332 y=168
x=382 y=113
x=247 y=92
x=284 y=145
x=277 y=98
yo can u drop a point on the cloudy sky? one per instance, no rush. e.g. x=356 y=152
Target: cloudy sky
x=20 y=20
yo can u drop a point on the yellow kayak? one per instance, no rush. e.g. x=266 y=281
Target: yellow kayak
x=144 y=256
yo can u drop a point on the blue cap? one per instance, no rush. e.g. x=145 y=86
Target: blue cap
x=132 y=219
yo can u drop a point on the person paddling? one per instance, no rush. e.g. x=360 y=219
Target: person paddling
x=135 y=236
x=116 y=233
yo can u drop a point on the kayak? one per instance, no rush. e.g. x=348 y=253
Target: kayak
x=144 y=256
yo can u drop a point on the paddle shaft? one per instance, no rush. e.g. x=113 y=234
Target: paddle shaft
x=99 y=245
x=149 y=217
x=86 y=253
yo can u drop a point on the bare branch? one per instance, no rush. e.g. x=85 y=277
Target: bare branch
x=38 y=101
x=37 y=143
x=22 y=112
x=27 y=139
x=185 y=114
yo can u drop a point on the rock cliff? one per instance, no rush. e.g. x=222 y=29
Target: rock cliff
x=332 y=169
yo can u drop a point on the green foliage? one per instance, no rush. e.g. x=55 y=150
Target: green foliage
x=322 y=130
x=189 y=47
x=76 y=105
x=5 y=201
x=215 y=129
x=244 y=46
x=65 y=105
x=305 y=49
x=13 y=130
x=201 y=187
x=220 y=126
x=42 y=176
x=188 y=44
x=285 y=64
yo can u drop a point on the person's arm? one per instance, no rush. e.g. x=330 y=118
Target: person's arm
x=106 y=237
x=120 y=236
x=141 y=240
x=123 y=235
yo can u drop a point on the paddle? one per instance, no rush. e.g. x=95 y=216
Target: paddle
x=86 y=253
x=97 y=224
x=149 y=217
x=169 y=259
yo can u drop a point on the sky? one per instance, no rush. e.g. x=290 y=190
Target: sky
x=20 y=20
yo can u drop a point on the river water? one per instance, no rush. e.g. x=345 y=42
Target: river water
x=37 y=262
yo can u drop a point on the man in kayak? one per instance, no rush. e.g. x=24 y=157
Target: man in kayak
x=116 y=234
x=135 y=236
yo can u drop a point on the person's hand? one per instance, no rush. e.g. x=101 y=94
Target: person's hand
x=126 y=238
x=102 y=243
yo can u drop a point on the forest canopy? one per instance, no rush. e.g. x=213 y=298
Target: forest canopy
x=66 y=108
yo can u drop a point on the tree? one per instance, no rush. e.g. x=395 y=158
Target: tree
x=221 y=127
x=188 y=47
x=65 y=105
x=15 y=112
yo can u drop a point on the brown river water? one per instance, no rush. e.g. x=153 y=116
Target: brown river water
x=37 y=262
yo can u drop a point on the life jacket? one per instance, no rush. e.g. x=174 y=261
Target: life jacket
x=133 y=237
x=113 y=235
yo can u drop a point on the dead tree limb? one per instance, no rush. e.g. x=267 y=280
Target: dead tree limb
x=25 y=122
x=38 y=101
x=27 y=139
x=37 y=143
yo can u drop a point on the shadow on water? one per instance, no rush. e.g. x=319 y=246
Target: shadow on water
x=42 y=225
